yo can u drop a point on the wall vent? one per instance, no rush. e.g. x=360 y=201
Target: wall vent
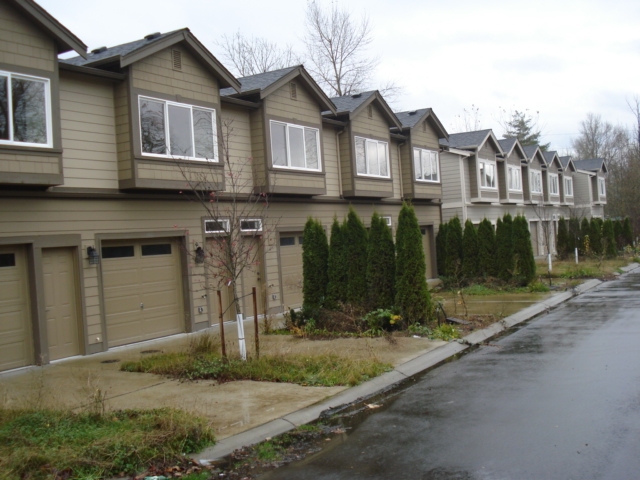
x=294 y=91
x=370 y=111
x=176 y=59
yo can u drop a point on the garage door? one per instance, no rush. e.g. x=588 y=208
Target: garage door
x=291 y=269
x=16 y=344
x=142 y=283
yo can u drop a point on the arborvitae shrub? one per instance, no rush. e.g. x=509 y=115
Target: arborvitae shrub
x=441 y=248
x=525 y=265
x=337 y=268
x=574 y=234
x=356 y=259
x=585 y=232
x=381 y=266
x=562 y=244
x=617 y=233
x=504 y=247
x=486 y=249
x=412 y=294
x=470 y=251
x=627 y=232
x=609 y=240
x=595 y=236
x=315 y=254
x=453 y=255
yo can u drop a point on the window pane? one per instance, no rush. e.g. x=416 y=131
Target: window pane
x=296 y=147
x=117 y=252
x=158 y=249
x=4 y=109
x=417 y=164
x=180 y=134
x=203 y=133
x=278 y=144
x=287 y=241
x=361 y=163
x=152 y=126
x=29 y=111
x=311 y=147
x=434 y=166
x=7 y=259
x=373 y=167
x=483 y=179
x=382 y=159
x=426 y=161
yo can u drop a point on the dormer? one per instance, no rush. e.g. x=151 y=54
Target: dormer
x=286 y=130
x=551 y=177
x=510 y=172
x=566 y=181
x=597 y=171
x=420 y=154
x=365 y=145
x=482 y=165
x=30 y=134
x=167 y=110
x=532 y=175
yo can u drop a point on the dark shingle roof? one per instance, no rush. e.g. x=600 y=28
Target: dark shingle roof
x=98 y=55
x=530 y=150
x=259 y=81
x=507 y=144
x=466 y=139
x=590 y=165
x=350 y=103
x=410 y=119
x=548 y=156
x=565 y=161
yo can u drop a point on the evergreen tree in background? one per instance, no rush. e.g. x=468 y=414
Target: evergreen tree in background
x=486 y=249
x=453 y=250
x=523 y=126
x=315 y=254
x=595 y=236
x=585 y=232
x=504 y=247
x=617 y=233
x=523 y=251
x=562 y=244
x=609 y=240
x=412 y=294
x=574 y=235
x=381 y=266
x=441 y=248
x=627 y=232
x=356 y=259
x=337 y=265
x=470 y=251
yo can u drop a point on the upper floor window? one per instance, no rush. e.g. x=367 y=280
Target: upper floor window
x=425 y=163
x=487 y=173
x=568 y=187
x=25 y=110
x=601 y=187
x=172 y=129
x=553 y=184
x=536 y=181
x=372 y=157
x=295 y=146
x=515 y=178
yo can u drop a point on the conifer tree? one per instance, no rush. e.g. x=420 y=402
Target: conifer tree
x=595 y=236
x=356 y=259
x=381 y=266
x=504 y=247
x=617 y=233
x=453 y=250
x=412 y=294
x=525 y=264
x=486 y=249
x=574 y=235
x=627 y=232
x=585 y=232
x=337 y=265
x=441 y=248
x=609 y=240
x=470 y=251
x=315 y=254
x=562 y=244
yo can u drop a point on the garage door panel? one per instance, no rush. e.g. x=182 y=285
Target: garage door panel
x=291 y=269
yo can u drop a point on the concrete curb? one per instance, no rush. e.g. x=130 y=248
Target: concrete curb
x=389 y=380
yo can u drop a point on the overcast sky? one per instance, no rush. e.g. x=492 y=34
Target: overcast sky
x=561 y=58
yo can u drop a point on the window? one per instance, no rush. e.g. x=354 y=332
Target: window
x=287 y=241
x=157 y=249
x=568 y=187
x=216 y=226
x=387 y=221
x=487 y=173
x=7 y=260
x=425 y=164
x=553 y=184
x=536 y=181
x=515 y=178
x=172 y=129
x=372 y=157
x=251 y=225
x=118 y=252
x=25 y=110
x=294 y=146
x=601 y=187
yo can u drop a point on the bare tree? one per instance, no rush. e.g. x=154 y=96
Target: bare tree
x=253 y=55
x=600 y=139
x=469 y=120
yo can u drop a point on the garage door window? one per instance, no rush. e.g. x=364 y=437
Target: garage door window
x=287 y=241
x=121 y=251
x=7 y=260
x=158 y=249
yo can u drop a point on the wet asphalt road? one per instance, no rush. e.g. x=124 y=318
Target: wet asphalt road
x=557 y=399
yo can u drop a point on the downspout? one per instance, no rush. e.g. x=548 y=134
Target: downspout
x=400 y=170
x=338 y=133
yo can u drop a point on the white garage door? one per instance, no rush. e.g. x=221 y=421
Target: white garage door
x=291 y=269
x=142 y=290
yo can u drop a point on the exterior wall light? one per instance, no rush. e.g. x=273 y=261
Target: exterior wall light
x=199 y=258
x=94 y=256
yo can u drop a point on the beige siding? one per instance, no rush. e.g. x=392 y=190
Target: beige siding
x=29 y=163
x=257 y=133
x=303 y=109
x=189 y=175
x=471 y=176
x=330 y=159
x=488 y=151
x=375 y=127
x=394 y=159
x=406 y=168
x=346 y=162
x=22 y=43
x=451 y=181
x=88 y=132
x=123 y=131
x=236 y=133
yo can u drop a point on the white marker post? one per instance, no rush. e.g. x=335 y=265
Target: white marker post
x=241 y=342
x=549 y=261
x=576 y=255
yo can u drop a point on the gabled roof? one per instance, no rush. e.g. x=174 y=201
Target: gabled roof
x=552 y=157
x=591 y=165
x=531 y=151
x=352 y=105
x=266 y=83
x=131 y=52
x=567 y=163
x=414 y=117
x=64 y=39
x=471 y=140
x=508 y=145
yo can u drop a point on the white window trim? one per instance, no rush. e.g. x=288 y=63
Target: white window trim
x=553 y=180
x=222 y=221
x=386 y=148
x=167 y=133
x=48 y=114
x=602 y=189
x=495 y=174
x=433 y=162
x=387 y=221
x=537 y=174
x=511 y=168
x=568 y=181
x=288 y=147
x=251 y=230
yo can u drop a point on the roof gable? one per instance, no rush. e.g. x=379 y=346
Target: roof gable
x=551 y=158
x=567 y=163
x=591 y=165
x=132 y=52
x=509 y=145
x=533 y=152
x=472 y=140
x=415 y=117
x=353 y=105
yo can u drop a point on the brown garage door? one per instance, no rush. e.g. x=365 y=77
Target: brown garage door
x=142 y=290
x=16 y=344
x=291 y=269
x=533 y=227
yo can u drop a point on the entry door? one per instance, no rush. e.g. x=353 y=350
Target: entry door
x=252 y=276
x=61 y=302
x=291 y=269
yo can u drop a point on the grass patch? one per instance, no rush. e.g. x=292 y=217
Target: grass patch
x=321 y=370
x=43 y=444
